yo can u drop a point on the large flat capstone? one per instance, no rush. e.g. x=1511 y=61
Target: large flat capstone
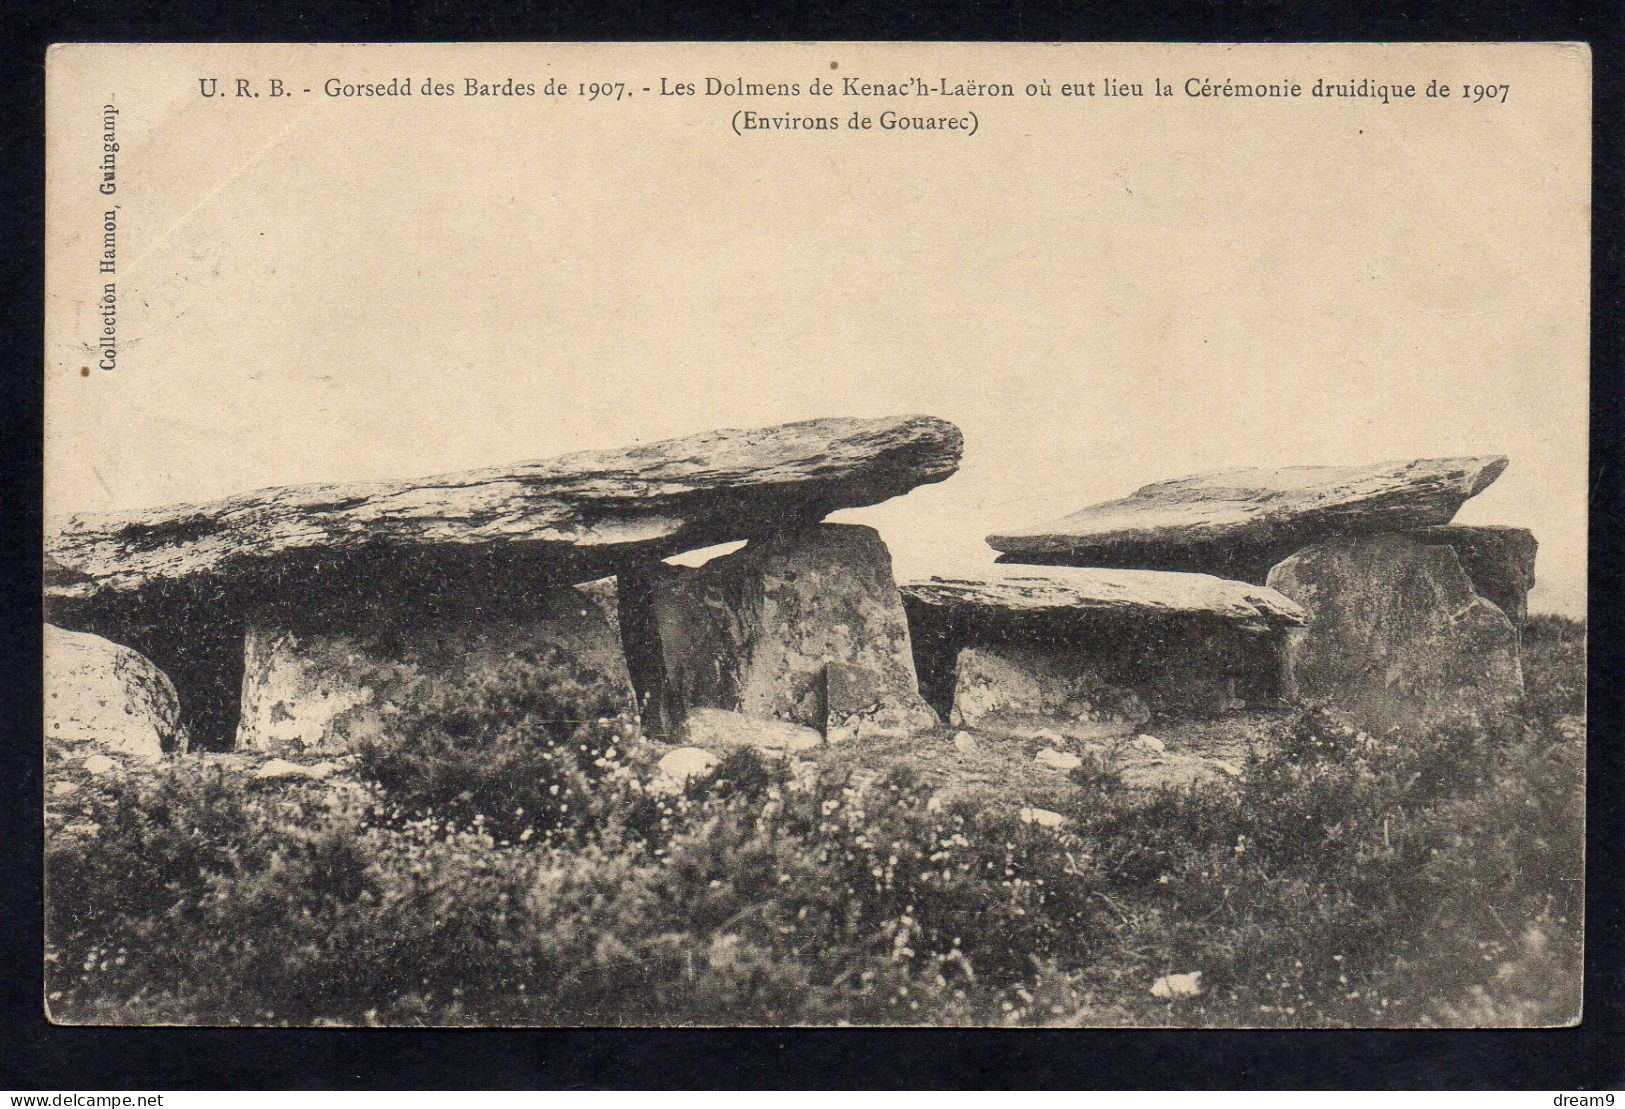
x=1239 y=523
x=1092 y=649
x=804 y=626
x=584 y=511
x=1069 y=593
x=1397 y=635
x=328 y=681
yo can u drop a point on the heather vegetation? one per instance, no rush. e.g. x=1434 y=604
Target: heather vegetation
x=505 y=857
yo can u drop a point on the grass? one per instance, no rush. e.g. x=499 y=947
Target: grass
x=490 y=866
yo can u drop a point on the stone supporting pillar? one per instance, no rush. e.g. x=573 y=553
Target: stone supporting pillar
x=804 y=626
x=1397 y=637
x=328 y=681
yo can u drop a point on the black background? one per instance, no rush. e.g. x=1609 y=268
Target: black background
x=35 y=1056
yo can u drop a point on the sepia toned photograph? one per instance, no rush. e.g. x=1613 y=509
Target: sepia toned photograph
x=819 y=534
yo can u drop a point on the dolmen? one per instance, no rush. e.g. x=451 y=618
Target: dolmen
x=1090 y=653
x=1411 y=620
x=308 y=617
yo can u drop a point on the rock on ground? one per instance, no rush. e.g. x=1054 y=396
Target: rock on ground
x=1173 y=987
x=720 y=729
x=105 y=694
x=281 y=770
x=1239 y=523
x=677 y=768
x=97 y=765
x=1052 y=759
x=1499 y=560
x=1026 y=692
x=329 y=684
x=804 y=626
x=1397 y=637
x=1043 y=818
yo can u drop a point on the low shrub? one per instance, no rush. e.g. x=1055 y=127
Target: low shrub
x=166 y=870
x=1351 y=880
x=508 y=864
x=1554 y=664
x=534 y=743
x=764 y=897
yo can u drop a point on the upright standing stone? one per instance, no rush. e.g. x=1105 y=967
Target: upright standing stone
x=330 y=681
x=1029 y=691
x=103 y=694
x=1499 y=560
x=805 y=626
x=1397 y=637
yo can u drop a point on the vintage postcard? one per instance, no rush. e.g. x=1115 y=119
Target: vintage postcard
x=570 y=534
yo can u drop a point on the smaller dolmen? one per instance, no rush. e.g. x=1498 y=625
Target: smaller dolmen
x=1412 y=620
x=1091 y=653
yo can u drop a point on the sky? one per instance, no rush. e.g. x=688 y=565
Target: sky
x=1100 y=296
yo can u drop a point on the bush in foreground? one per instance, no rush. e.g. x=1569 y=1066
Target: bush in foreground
x=509 y=865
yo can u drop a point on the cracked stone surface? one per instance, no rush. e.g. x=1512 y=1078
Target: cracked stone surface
x=803 y=626
x=1028 y=692
x=1397 y=636
x=653 y=499
x=1499 y=560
